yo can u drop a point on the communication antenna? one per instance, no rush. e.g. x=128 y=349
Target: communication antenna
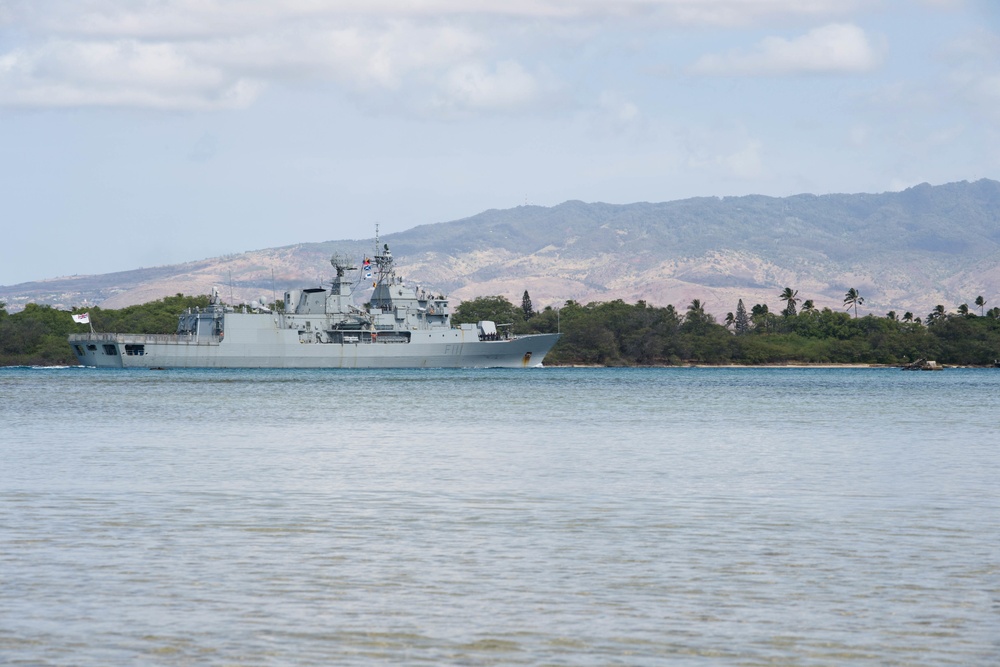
x=274 y=294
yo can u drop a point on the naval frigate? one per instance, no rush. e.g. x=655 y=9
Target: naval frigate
x=321 y=327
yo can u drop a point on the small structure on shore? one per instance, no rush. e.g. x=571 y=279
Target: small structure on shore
x=923 y=365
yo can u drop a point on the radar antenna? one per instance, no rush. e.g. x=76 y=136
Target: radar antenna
x=342 y=264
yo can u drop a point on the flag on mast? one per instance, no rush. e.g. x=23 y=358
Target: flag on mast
x=81 y=318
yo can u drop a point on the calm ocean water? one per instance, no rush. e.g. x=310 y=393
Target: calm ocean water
x=547 y=516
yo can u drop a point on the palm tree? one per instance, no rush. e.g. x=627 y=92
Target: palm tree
x=907 y=316
x=891 y=315
x=964 y=309
x=790 y=297
x=808 y=306
x=853 y=298
x=935 y=314
x=696 y=318
x=730 y=319
x=761 y=316
x=981 y=302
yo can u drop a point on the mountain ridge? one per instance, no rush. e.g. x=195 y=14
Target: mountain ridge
x=908 y=250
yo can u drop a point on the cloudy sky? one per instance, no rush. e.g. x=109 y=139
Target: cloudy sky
x=146 y=132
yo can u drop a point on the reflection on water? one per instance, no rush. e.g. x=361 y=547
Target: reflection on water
x=550 y=516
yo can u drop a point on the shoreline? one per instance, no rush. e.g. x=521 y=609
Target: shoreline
x=791 y=365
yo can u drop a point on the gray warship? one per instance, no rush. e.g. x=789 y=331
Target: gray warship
x=321 y=327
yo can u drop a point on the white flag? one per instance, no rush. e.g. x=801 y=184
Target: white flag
x=82 y=318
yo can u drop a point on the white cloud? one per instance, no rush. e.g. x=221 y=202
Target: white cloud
x=746 y=12
x=834 y=48
x=946 y=4
x=473 y=86
x=977 y=89
x=727 y=151
x=744 y=163
x=620 y=110
x=972 y=79
x=204 y=17
x=618 y=116
x=228 y=72
x=898 y=184
x=363 y=56
x=121 y=73
x=209 y=54
x=859 y=136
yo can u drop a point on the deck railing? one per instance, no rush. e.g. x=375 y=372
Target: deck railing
x=142 y=339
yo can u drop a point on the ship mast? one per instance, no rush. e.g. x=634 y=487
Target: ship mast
x=385 y=273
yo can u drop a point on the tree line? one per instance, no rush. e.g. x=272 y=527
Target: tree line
x=615 y=333
x=37 y=336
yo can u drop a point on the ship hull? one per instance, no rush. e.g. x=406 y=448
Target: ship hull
x=448 y=349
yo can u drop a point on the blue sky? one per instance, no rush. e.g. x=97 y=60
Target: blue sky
x=141 y=133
